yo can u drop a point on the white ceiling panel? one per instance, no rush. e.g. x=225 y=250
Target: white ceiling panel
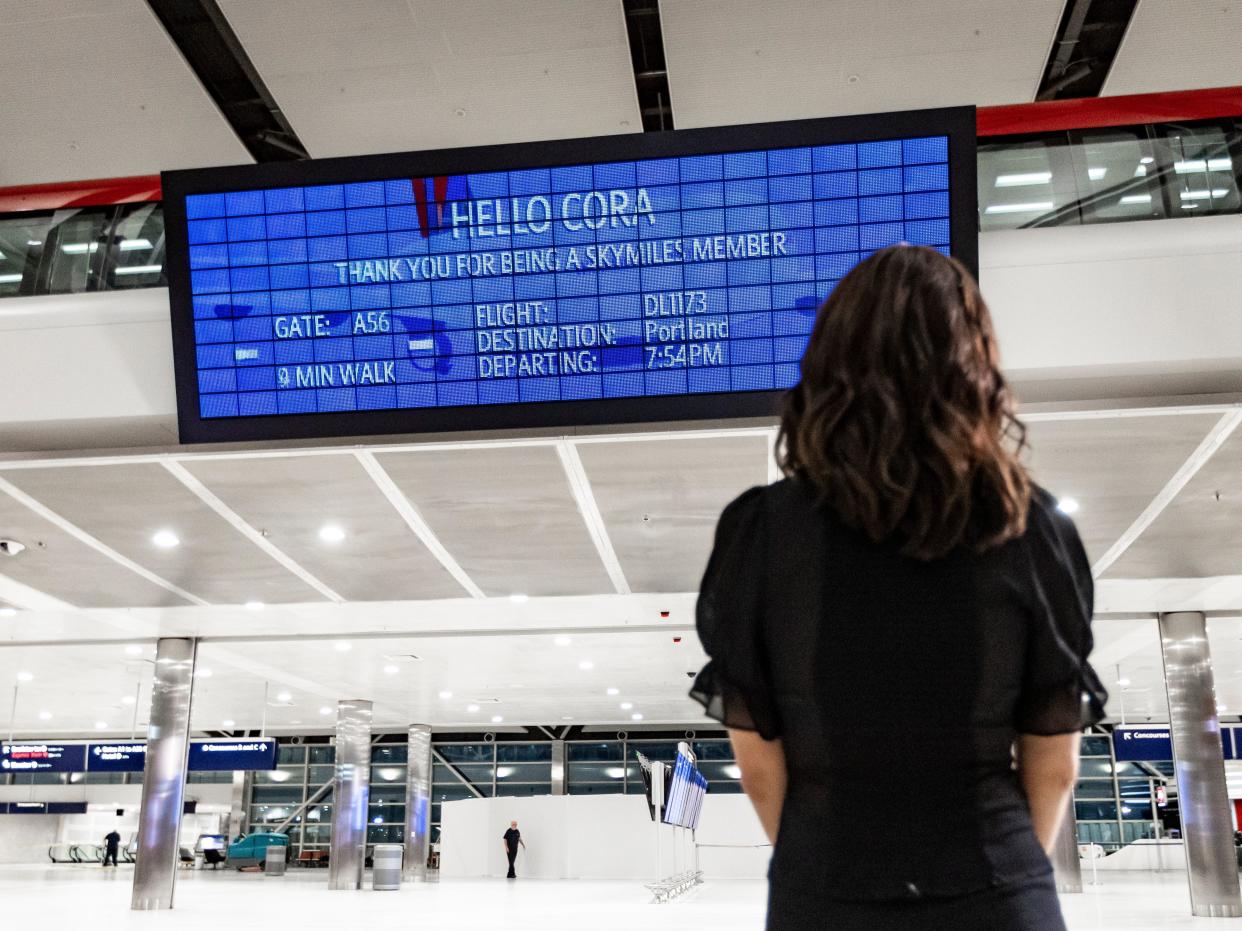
x=292 y=498
x=97 y=89
x=391 y=75
x=1178 y=46
x=124 y=506
x=506 y=515
x=737 y=61
x=660 y=501
x=1112 y=467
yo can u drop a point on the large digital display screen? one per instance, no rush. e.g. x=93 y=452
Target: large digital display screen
x=526 y=285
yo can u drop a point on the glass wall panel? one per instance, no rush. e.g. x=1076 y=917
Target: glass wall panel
x=1116 y=176
x=1204 y=174
x=523 y=753
x=389 y=754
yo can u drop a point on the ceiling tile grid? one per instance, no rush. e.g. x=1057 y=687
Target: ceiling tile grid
x=506 y=515
x=1178 y=46
x=291 y=499
x=124 y=506
x=736 y=61
x=386 y=75
x=99 y=90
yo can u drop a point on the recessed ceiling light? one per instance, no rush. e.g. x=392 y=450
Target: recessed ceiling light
x=331 y=533
x=342 y=646
x=586 y=665
x=203 y=673
x=392 y=670
x=325 y=710
x=496 y=719
x=472 y=708
x=134 y=649
x=614 y=691
x=34 y=242
x=1022 y=179
x=446 y=694
x=128 y=700
x=562 y=641
x=254 y=606
x=165 y=539
x=519 y=599
x=1038 y=206
x=1146 y=160
x=45 y=715
x=283 y=696
x=25 y=677
x=228 y=724
x=626 y=705
x=8 y=612
x=1067 y=506
x=567 y=717
x=1123 y=682
x=636 y=716
x=101 y=725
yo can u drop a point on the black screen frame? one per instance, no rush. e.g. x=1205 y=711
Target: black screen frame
x=957 y=123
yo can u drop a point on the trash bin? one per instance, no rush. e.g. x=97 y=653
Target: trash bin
x=274 y=860
x=386 y=872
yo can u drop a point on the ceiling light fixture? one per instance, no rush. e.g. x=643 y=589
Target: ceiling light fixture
x=586 y=665
x=138 y=270
x=1135 y=199
x=562 y=641
x=614 y=692
x=101 y=725
x=472 y=708
x=1146 y=160
x=1039 y=206
x=1097 y=173
x=1123 y=682
x=165 y=539
x=11 y=278
x=202 y=673
x=519 y=599
x=626 y=705
x=8 y=612
x=134 y=649
x=1067 y=506
x=1022 y=179
x=34 y=242
x=446 y=694
x=228 y=724
x=25 y=677
x=392 y=670
x=128 y=700
x=45 y=715
x=636 y=717
x=342 y=646
x=283 y=697
x=325 y=710
x=331 y=533
x=496 y=719
x=255 y=606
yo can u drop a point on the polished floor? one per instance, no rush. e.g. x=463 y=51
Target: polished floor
x=66 y=895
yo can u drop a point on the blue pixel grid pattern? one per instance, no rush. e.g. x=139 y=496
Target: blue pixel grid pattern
x=690 y=275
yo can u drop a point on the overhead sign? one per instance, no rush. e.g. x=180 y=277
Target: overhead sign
x=42 y=758
x=634 y=277
x=128 y=757
x=220 y=755
x=1141 y=744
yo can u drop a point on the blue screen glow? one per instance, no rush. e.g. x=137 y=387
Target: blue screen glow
x=689 y=275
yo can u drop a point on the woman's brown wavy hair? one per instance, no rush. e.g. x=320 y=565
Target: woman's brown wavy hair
x=902 y=418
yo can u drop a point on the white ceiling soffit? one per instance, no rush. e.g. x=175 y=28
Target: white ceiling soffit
x=389 y=75
x=737 y=61
x=1178 y=46
x=96 y=90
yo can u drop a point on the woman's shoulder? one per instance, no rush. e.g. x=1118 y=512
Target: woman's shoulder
x=774 y=497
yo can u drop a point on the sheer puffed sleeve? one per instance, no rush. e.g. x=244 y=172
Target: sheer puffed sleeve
x=735 y=688
x=1061 y=693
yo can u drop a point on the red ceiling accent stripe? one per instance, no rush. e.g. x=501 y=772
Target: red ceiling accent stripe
x=97 y=193
x=1092 y=112
x=1046 y=116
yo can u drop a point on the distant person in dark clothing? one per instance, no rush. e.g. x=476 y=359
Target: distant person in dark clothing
x=112 y=843
x=513 y=837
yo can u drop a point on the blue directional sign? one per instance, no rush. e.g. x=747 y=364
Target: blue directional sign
x=128 y=757
x=35 y=757
x=225 y=755
x=1135 y=744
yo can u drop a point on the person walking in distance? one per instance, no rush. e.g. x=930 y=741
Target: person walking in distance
x=112 y=843
x=513 y=837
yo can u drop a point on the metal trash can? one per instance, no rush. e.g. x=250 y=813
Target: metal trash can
x=274 y=860
x=386 y=871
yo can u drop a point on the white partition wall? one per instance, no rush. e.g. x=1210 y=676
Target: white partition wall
x=593 y=837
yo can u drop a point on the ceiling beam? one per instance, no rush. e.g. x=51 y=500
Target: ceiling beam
x=209 y=498
x=1215 y=438
x=580 y=486
x=414 y=520
x=99 y=546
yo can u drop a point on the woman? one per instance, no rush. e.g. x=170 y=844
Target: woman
x=899 y=629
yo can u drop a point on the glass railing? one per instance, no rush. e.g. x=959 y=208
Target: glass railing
x=1109 y=175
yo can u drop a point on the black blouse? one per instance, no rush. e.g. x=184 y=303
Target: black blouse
x=898 y=687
